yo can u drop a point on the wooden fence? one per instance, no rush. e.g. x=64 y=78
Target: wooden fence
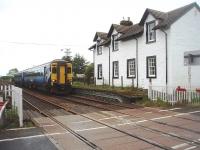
x=174 y=95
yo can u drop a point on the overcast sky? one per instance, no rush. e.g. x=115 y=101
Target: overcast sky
x=32 y=32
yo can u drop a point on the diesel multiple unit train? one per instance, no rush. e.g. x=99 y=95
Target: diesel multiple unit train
x=54 y=77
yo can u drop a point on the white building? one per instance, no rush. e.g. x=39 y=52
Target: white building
x=158 y=48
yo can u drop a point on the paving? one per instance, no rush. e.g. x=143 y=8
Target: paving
x=138 y=129
x=24 y=139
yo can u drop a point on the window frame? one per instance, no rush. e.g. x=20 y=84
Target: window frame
x=114 y=42
x=98 y=73
x=128 y=68
x=99 y=50
x=148 y=67
x=148 y=32
x=115 y=77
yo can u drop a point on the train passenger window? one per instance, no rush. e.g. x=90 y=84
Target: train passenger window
x=54 y=70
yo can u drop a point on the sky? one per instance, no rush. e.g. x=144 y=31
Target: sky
x=33 y=32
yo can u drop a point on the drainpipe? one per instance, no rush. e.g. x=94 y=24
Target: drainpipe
x=109 y=64
x=137 y=60
x=166 y=52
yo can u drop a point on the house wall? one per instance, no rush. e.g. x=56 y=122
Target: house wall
x=104 y=60
x=184 y=35
x=127 y=50
x=150 y=49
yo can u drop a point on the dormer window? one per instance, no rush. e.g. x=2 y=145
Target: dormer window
x=150 y=32
x=115 y=43
x=99 y=50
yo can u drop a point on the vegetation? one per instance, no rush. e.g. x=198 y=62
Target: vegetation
x=89 y=73
x=11 y=72
x=11 y=118
x=79 y=64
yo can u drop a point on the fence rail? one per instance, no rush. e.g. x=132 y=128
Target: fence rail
x=174 y=95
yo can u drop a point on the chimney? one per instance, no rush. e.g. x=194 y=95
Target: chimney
x=127 y=22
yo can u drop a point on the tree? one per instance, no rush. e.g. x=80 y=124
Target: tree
x=67 y=56
x=89 y=73
x=13 y=71
x=79 y=64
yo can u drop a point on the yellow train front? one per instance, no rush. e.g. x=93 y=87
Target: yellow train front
x=60 y=77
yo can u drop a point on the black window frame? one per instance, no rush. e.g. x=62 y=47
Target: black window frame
x=147 y=32
x=147 y=67
x=98 y=48
x=115 y=77
x=113 y=42
x=98 y=66
x=128 y=75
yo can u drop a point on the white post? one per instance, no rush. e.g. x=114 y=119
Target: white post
x=17 y=102
x=20 y=107
x=189 y=79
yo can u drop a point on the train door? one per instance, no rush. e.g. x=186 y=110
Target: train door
x=62 y=75
x=53 y=73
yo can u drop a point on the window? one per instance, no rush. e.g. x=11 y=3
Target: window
x=54 y=70
x=115 y=69
x=150 y=33
x=99 y=50
x=114 y=42
x=131 y=68
x=99 y=71
x=151 y=67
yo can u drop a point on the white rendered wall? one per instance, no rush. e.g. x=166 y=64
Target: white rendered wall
x=152 y=49
x=127 y=50
x=184 y=35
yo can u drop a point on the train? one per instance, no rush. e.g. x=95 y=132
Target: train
x=54 y=77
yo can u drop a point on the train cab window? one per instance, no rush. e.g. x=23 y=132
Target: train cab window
x=68 y=70
x=54 y=70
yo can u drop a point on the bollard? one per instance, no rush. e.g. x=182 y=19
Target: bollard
x=103 y=81
x=132 y=82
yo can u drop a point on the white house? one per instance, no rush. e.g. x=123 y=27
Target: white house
x=162 y=49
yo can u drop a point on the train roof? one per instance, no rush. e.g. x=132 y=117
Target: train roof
x=53 y=61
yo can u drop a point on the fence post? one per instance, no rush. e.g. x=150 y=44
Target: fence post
x=112 y=82
x=132 y=82
x=150 y=89
x=122 y=84
x=103 y=81
x=95 y=81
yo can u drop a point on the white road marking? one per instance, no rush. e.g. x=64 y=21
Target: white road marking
x=30 y=137
x=161 y=118
x=189 y=148
x=48 y=125
x=15 y=129
x=89 y=129
x=179 y=145
x=169 y=109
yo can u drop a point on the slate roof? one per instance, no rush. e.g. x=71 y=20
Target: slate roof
x=102 y=35
x=133 y=31
x=168 y=18
x=165 y=19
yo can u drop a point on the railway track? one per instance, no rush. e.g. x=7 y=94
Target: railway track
x=87 y=101
x=58 y=102
x=46 y=113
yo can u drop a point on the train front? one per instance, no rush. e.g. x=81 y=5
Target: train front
x=61 y=77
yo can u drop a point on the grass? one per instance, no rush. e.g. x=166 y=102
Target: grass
x=148 y=103
x=11 y=119
x=131 y=91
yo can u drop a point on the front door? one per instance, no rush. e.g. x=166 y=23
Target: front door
x=62 y=74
